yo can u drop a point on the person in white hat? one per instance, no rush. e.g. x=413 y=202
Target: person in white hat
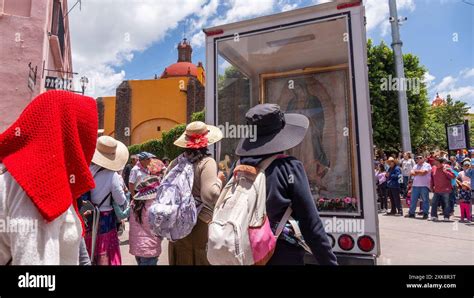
x=110 y=157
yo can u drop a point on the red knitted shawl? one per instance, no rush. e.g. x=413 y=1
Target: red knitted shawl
x=49 y=148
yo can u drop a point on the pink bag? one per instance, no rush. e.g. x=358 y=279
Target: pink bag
x=263 y=242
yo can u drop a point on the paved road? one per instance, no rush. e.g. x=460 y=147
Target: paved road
x=406 y=241
x=403 y=241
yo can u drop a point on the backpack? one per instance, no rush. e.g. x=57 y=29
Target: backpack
x=240 y=232
x=173 y=214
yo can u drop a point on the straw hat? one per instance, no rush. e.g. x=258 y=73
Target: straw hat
x=110 y=154
x=466 y=184
x=391 y=159
x=199 y=135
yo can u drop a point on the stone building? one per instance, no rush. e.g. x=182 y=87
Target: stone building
x=142 y=109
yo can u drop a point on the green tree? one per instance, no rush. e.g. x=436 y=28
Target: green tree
x=452 y=112
x=383 y=88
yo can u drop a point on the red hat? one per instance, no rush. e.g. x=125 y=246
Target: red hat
x=49 y=148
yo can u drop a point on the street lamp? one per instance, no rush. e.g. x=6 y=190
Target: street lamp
x=84 y=81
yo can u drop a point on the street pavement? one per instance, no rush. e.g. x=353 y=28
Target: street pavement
x=407 y=241
x=403 y=241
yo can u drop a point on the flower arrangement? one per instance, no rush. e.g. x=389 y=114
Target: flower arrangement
x=346 y=204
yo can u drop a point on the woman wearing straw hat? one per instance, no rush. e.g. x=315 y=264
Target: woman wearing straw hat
x=110 y=157
x=207 y=186
x=393 y=186
x=286 y=184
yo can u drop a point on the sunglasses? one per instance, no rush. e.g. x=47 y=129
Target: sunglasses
x=419 y=158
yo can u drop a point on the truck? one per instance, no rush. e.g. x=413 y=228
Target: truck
x=311 y=61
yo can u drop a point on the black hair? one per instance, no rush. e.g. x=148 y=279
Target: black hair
x=138 y=206
x=196 y=155
x=381 y=167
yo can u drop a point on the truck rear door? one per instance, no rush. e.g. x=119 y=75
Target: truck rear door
x=310 y=61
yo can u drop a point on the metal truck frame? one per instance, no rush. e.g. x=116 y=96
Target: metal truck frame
x=351 y=248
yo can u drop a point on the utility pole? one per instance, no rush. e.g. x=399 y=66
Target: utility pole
x=400 y=74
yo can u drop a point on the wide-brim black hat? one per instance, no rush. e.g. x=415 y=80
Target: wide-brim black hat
x=276 y=131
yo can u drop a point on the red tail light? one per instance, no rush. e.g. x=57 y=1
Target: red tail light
x=346 y=242
x=215 y=32
x=349 y=4
x=366 y=243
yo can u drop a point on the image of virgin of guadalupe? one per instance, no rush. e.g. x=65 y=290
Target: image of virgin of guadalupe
x=310 y=152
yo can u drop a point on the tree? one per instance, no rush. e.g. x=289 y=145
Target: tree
x=383 y=87
x=452 y=112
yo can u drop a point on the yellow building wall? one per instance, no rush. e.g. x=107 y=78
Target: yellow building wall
x=156 y=103
x=109 y=115
x=201 y=76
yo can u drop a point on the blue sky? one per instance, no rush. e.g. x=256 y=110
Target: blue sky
x=136 y=39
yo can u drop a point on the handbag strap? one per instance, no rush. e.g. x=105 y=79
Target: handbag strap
x=296 y=228
x=104 y=199
x=283 y=221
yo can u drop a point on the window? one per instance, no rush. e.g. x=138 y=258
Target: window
x=57 y=24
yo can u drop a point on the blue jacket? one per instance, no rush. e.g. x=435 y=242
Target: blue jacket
x=394 y=175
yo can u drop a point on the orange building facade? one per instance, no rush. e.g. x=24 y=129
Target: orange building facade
x=142 y=109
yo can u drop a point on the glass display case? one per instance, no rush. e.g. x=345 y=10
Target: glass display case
x=304 y=68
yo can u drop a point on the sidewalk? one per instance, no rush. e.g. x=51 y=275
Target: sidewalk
x=403 y=241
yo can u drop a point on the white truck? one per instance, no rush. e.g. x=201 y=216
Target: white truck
x=311 y=61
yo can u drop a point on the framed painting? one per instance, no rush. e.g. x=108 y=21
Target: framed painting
x=322 y=95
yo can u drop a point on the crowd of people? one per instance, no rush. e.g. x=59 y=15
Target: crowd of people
x=79 y=188
x=448 y=178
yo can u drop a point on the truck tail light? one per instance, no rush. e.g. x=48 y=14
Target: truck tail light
x=366 y=243
x=346 y=242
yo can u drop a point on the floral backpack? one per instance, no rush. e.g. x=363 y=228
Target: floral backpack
x=173 y=214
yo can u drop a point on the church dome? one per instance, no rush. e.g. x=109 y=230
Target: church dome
x=180 y=69
x=438 y=101
x=184 y=66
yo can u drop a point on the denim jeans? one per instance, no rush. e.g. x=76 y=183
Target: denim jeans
x=444 y=199
x=142 y=261
x=452 y=199
x=394 y=194
x=416 y=192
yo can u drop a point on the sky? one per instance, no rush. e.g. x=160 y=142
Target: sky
x=116 y=40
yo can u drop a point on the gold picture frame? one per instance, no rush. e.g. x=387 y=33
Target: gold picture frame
x=317 y=81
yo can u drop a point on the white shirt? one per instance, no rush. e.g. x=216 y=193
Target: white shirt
x=29 y=239
x=137 y=175
x=407 y=166
x=422 y=180
x=106 y=182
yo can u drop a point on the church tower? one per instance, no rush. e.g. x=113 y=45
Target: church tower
x=185 y=51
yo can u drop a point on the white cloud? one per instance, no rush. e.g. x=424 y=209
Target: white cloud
x=467 y=73
x=287 y=7
x=446 y=83
x=235 y=10
x=457 y=88
x=428 y=79
x=377 y=13
x=208 y=11
x=105 y=34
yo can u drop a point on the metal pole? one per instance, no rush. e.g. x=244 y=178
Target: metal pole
x=400 y=74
